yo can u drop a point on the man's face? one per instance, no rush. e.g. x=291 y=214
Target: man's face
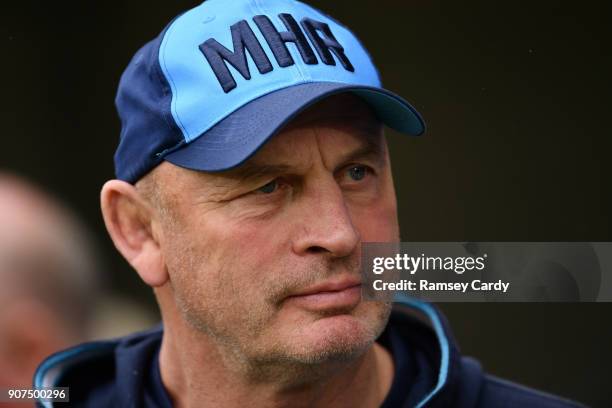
x=265 y=258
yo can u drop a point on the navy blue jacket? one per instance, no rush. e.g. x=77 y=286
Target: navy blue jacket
x=429 y=370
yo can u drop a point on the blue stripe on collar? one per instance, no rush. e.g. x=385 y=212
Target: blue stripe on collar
x=442 y=340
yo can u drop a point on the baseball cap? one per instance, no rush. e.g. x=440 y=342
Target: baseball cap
x=224 y=77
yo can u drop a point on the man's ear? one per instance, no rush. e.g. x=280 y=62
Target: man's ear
x=130 y=220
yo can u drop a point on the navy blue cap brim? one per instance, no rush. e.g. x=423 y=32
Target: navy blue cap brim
x=237 y=137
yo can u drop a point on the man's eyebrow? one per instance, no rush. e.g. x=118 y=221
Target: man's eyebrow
x=254 y=170
x=371 y=149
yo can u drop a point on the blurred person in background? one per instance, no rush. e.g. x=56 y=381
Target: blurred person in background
x=49 y=275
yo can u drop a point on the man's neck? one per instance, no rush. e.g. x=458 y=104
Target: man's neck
x=195 y=373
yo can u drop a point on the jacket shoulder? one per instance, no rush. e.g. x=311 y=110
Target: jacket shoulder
x=79 y=368
x=92 y=370
x=500 y=393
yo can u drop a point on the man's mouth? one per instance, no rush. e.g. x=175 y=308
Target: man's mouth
x=342 y=293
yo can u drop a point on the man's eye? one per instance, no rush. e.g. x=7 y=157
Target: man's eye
x=357 y=173
x=268 y=188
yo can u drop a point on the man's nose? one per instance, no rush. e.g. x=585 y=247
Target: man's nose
x=325 y=224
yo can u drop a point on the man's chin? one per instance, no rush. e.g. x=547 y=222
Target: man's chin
x=339 y=337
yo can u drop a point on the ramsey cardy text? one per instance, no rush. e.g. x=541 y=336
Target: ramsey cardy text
x=425 y=285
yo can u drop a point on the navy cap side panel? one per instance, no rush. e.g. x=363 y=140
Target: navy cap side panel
x=143 y=103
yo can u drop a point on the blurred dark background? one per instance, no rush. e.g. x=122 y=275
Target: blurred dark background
x=516 y=96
